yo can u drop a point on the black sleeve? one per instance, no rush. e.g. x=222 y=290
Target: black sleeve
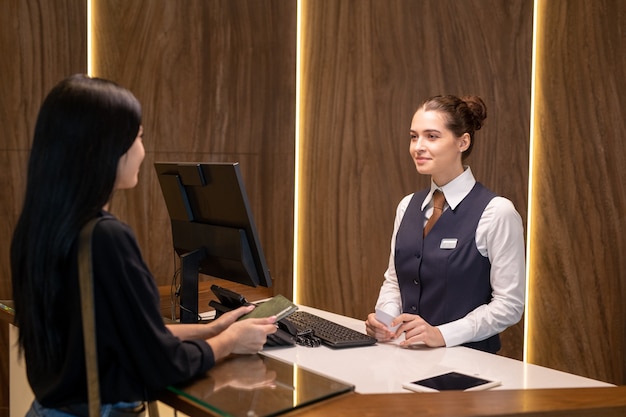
x=134 y=346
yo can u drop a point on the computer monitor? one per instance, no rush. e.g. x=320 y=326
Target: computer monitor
x=213 y=229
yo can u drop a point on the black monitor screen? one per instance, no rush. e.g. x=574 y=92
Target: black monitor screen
x=213 y=229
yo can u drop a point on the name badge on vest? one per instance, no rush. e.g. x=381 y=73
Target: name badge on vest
x=448 y=243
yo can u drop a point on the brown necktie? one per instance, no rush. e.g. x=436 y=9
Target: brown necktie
x=438 y=202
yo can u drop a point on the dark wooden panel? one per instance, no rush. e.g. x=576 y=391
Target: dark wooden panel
x=572 y=402
x=217 y=83
x=4 y=368
x=578 y=318
x=41 y=43
x=216 y=70
x=367 y=66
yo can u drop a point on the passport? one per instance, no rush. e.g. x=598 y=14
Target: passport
x=278 y=306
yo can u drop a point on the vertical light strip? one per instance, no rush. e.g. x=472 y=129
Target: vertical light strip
x=295 y=399
x=531 y=177
x=296 y=196
x=89 y=40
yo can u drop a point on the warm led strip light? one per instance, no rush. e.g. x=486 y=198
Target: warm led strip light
x=533 y=96
x=296 y=216
x=297 y=188
x=89 y=40
x=296 y=196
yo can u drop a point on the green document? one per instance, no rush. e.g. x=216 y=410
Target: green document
x=278 y=306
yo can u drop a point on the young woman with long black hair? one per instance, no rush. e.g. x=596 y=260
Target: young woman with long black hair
x=87 y=145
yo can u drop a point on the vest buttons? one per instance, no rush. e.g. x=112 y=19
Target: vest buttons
x=418 y=255
x=416 y=282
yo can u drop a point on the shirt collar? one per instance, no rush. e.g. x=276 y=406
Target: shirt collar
x=454 y=191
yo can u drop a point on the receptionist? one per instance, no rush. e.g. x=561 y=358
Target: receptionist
x=458 y=279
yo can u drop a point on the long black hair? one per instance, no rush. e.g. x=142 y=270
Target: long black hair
x=83 y=128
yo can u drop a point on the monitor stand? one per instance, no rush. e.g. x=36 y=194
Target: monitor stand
x=189 y=264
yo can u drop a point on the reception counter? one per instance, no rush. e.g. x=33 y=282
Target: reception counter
x=376 y=373
x=367 y=381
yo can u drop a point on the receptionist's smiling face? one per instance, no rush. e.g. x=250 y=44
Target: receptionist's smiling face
x=434 y=148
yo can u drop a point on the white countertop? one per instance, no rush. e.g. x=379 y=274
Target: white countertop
x=383 y=368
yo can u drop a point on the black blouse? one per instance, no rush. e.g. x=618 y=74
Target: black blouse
x=137 y=354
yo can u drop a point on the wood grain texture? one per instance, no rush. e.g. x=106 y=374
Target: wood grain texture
x=572 y=402
x=367 y=66
x=217 y=83
x=577 y=402
x=578 y=321
x=41 y=43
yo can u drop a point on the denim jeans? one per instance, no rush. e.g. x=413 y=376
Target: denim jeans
x=37 y=410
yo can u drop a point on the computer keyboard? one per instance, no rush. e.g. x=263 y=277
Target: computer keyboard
x=330 y=333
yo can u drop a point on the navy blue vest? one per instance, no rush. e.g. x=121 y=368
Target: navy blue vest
x=443 y=277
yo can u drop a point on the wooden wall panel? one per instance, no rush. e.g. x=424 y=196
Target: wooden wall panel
x=41 y=43
x=578 y=318
x=367 y=66
x=217 y=83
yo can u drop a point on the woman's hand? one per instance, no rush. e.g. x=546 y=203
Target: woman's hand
x=377 y=329
x=416 y=330
x=226 y=319
x=251 y=334
x=242 y=337
x=188 y=331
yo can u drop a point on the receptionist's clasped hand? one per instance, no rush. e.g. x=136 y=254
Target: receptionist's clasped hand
x=416 y=331
x=378 y=330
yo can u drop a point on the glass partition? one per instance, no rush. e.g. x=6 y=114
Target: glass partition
x=256 y=386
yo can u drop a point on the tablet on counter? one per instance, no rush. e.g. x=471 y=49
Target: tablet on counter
x=451 y=381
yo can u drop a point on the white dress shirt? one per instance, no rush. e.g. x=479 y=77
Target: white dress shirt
x=500 y=237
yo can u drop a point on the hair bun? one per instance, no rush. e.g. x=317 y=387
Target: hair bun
x=478 y=108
